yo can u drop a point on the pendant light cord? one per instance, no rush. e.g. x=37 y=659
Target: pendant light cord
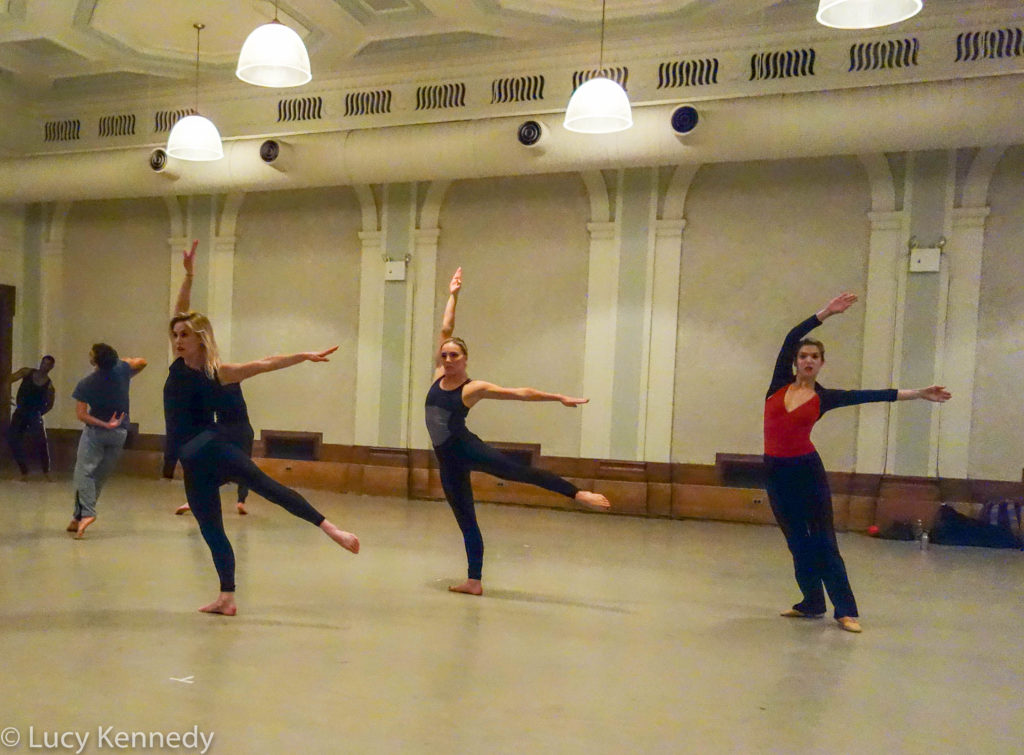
x=199 y=28
x=600 y=64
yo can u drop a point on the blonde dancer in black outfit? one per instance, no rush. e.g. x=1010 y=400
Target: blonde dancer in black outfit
x=192 y=393
x=460 y=452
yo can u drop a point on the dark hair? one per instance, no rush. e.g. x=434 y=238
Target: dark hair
x=458 y=342
x=811 y=342
x=104 y=355
x=47 y=356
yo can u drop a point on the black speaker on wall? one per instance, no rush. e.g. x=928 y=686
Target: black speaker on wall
x=530 y=133
x=685 y=119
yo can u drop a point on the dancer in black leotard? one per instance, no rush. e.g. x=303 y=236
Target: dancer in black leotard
x=232 y=413
x=192 y=394
x=35 y=398
x=460 y=452
x=797 y=484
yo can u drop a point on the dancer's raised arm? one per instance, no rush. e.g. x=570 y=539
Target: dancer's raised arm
x=185 y=292
x=448 y=319
x=783 y=373
x=236 y=373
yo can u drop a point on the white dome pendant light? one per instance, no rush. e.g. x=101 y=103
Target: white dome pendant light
x=274 y=56
x=599 y=105
x=866 y=14
x=195 y=137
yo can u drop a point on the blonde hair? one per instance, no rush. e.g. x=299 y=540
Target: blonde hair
x=200 y=324
x=458 y=342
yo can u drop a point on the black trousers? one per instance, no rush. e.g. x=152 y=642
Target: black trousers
x=27 y=431
x=802 y=503
x=214 y=464
x=465 y=453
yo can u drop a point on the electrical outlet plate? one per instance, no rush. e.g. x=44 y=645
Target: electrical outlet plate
x=394 y=270
x=925 y=260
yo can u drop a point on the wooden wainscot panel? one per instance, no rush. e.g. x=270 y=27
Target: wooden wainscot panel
x=626 y=497
x=318 y=475
x=148 y=464
x=861 y=513
x=840 y=511
x=907 y=499
x=659 y=499
x=725 y=504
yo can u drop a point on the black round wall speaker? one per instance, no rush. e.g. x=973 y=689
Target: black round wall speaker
x=269 y=151
x=684 y=119
x=157 y=160
x=529 y=133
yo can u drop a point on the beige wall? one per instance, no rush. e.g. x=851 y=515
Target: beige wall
x=766 y=245
x=523 y=245
x=115 y=289
x=997 y=431
x=296 y=288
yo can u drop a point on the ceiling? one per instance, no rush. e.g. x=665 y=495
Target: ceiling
x=54 y=49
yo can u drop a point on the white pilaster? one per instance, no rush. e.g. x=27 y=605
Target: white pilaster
x=369 y=352
x=664 y=319
x=599 y=346
x=220 y=288
x=964 y=253
x=424 y=330
x=878 y=366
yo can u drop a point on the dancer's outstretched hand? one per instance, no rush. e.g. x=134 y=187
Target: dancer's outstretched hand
x=841 y=303
x=570 y=401
x=320 y=356
x=936 y=393
x=188 y=257
x=456 y=282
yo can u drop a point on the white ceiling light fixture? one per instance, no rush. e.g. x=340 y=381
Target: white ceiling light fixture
x=274 y=56
x=195 y=137
x=866 y=14
x=599 y=105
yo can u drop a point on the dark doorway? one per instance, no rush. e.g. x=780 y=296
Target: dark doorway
x=6 y=338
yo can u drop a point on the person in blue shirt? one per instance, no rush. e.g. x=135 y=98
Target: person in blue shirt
x=102 y=398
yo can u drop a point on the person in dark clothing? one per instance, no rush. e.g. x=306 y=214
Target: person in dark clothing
x=35 y=398
x=193 y=393
x=232 y=412
x=460 y=452
x=102 y=406
x=797 y=485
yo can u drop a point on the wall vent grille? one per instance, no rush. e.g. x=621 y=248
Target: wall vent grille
x=62 y=131
x=117 y=125
x=300 y=109
x=996 y=43
x=517 y=89
x=875 y=56
x=785 y=64
x=440 y=96
x=164 y=120
x=377 y=102
x=618 y=74
x=688 y=73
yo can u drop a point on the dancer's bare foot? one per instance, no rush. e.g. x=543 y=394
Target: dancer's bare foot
x=84 y=522
x=73 y=525
x=241 y=508
x=346 y=540
x=593 y=500
x=224 y=605
x=469 y=587
x=184 y=509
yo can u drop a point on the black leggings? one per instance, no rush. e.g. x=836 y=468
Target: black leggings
x=214 y=464
x=27 y=429
x=802 y=503
x=464 y=453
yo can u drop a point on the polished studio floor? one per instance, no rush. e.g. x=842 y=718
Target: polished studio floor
x=597 y=634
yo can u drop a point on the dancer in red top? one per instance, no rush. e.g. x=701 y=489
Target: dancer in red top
x=797 y=485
